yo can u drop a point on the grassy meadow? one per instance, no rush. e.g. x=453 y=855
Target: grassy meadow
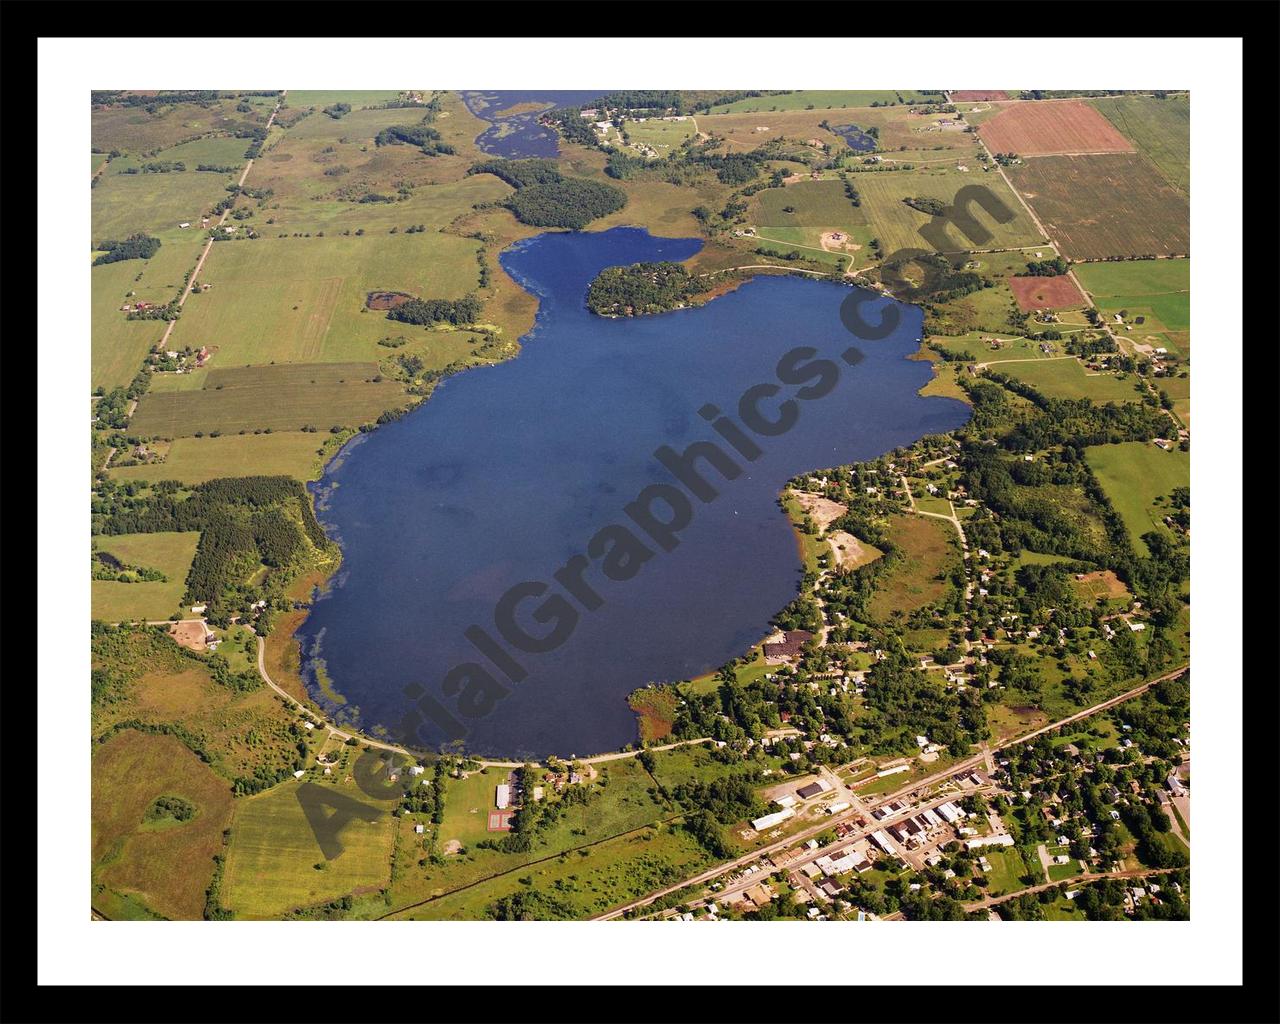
x=170 y=553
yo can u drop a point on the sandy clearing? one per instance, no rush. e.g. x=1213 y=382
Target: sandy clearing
x=823 y=511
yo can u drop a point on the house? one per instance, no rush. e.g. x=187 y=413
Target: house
x=502 y=796
x=299 y=773
x=419 y=829
x=198 y=609
x=416 y=769
x=308 y=725
x=185 y=224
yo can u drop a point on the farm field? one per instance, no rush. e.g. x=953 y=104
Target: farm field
x=1066 y=378
x=931 y=549
x=284 y=406
x=1178 y=389
x=1046 y=293
x=1160 y=290
x=1134 y=476
x=586 y=882
x=271 y=861
x=123 y=204
x=193 y=460
x=170 y=553
x=133 y=130
x=119 y=345
x=1107 y=205
x=898 y=225
x=168 y=865
x=303 y=299
x=973 y=95
x=357 y=98
x=1161 y=129
x=1050 y=128
x=820 y=204
x=827 y=98
x=659 y=134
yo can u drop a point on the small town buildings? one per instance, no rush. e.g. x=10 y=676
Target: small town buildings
x=981 y=841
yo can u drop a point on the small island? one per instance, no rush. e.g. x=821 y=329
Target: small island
x=643 y=288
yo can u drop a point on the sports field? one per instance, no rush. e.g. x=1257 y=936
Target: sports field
x=272 y=860
x=170 y=553
x=1160 y=128
x=898 y=225
x=1135 y=475
x=1067 y=378
x=193 y=460
x=1051 y=127
x=166 y=863
x=284 y=406
x=1115 y=204
x=303 y=299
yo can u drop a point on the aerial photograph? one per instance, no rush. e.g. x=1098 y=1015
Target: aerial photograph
x=644 y=505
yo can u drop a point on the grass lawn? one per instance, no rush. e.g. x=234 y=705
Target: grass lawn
x=303 y=299
x=1134 y=475
x=467 y=805
x=271 y=862
x=898 y=225
x=1157 y=290
x=193 y=460
x=171 y=553
x=1007 y=867
x=930 y=548
x=661 y=135
x=167 y=868
x=1067 y=378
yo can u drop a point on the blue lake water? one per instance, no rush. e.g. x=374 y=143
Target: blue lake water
x=520 y=136
x=509 y=470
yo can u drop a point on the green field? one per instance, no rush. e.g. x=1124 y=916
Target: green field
x=171 y=553
x=132 y=129
x=193 y=460
x=898 y=225
x=930 y=548
x=803 y=98
x=661 y=135
x=123 y=204
x=821 y=204
x=1007 y=866
x=119 y=345
x=284 y=406
x=271 y=862
x=303 y=299
x=1160 y=290
x=167 y=868
x=1067 y=378
x=1159 y=128
x=1134 y=475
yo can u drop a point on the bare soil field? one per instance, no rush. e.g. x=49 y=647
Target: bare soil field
x=823 y=511
x=189 y=635
x=1046 y=293
x=1052 y=128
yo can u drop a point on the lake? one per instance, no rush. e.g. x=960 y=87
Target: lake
x=509 y=471
x=518 y=136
